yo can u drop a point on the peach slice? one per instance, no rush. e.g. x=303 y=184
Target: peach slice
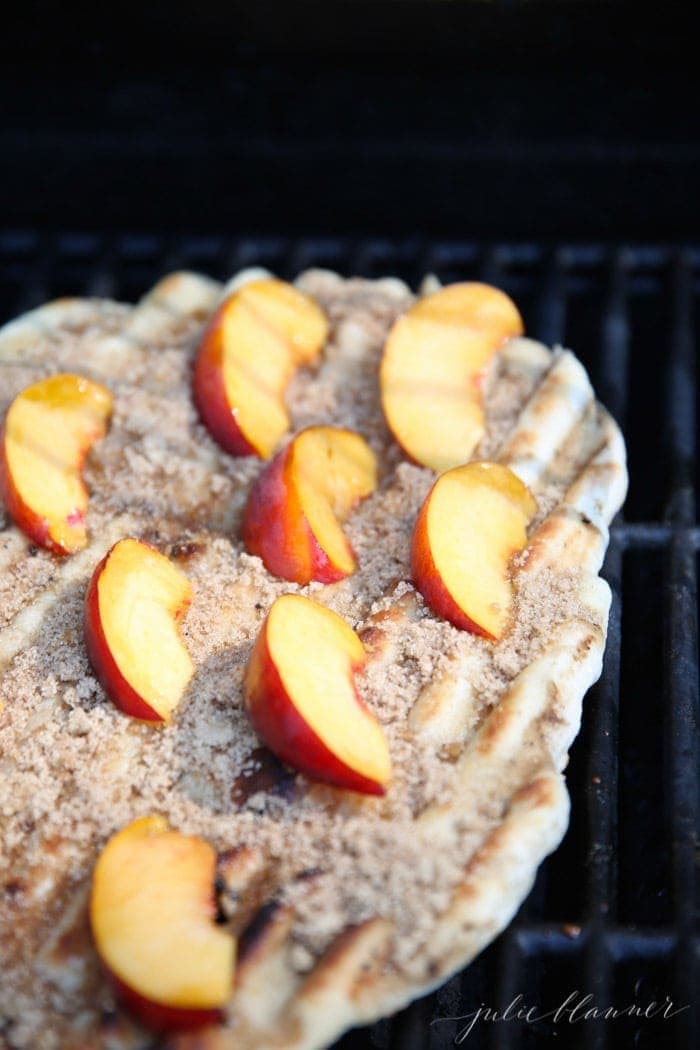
x=253 y=344
x=134 y=603
x=293 y=514
x=152 y=912
x=47 y=433
x=431 y=370
x=301 y=697
x=474 y=519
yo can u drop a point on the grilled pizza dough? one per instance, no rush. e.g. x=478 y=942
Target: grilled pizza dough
x=351 y=905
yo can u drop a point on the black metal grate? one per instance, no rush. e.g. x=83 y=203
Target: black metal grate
x=614 y=911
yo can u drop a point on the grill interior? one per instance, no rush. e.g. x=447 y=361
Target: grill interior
x=614 y=911
x=507 y=119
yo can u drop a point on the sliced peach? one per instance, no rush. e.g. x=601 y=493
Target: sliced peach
x=431 y=371
x=472 y=522
x=133 y=606
x=293 y=514
x=152 y=913
x=301 y=697
x=256 y=340
x=47 y=433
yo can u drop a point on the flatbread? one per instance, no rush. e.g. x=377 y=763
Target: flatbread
x=348 y=907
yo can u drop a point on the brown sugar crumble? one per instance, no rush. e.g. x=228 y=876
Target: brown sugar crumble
x=74 y=769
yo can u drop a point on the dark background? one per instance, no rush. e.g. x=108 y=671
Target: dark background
x=476 y=120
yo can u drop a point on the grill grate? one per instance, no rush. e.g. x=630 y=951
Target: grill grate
x=614 y=911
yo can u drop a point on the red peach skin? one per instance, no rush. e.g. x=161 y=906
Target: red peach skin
x=276 y=721
x=209 y=392
x=34 y=526
x=103 y=663
x=432 y=588
x=275 y=528
x=160 y=1018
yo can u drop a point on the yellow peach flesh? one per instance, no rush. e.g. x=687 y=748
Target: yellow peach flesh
x=257 y=366
x=48 y=429
x=430 y=399
x=291 y=314
x=151 y=915
x=140 y=595
x=333 y=470
x=269 y=329
x=477 y=519
x=433 y=360
x=322 y=690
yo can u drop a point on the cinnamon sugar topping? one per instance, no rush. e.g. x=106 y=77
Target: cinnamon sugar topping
x=74 y=769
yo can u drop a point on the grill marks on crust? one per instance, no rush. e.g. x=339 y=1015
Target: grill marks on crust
x=353 y=982
x=563 y=409
x=514 y=757
x=519 y=806
x=532 y=725
x=516 y=753
x=552 y=413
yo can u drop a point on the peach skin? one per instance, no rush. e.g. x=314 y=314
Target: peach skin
x=293 y=516
x=474 y=519
x=48 y=431
x=133 y=606
x=301 y=697
x=249 y=351
x=152 y=915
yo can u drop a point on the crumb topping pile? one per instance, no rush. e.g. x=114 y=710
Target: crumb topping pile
x=74 y=769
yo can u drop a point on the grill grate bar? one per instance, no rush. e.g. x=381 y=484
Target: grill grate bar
x=613 y=382
x=551 y=317
x=514 y=950
x=682 y=749
x=411 y=1030
x=35 y=287
x=104 y=280
x=681 y=648
x=620 y=940
x=681 y=396
x=635 y=535
x=602 y=766
x=494 y=266
x=646 y=534
x=601 y=801
x=173 y=255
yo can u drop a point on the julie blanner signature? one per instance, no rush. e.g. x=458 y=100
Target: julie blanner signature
x=575 y=1008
